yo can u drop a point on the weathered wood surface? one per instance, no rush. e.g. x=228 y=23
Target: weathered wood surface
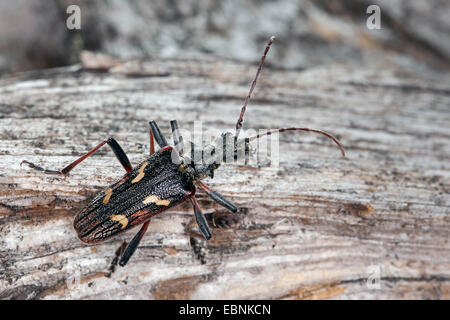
x=318 y=226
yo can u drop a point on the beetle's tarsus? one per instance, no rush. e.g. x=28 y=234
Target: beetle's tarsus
x=38 y=168
x=118 y=254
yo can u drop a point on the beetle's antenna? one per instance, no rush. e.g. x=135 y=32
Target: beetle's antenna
x=239 y=122
x=301 y=129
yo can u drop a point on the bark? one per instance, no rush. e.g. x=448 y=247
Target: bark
x=372 y=225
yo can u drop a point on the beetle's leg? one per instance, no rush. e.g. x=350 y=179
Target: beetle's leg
x=152 y=141
x=131 y=248
x=217 y=197
x=119 y=253
x=118 y=151
x=159 y=137
x=177 y=138
x=200 y=218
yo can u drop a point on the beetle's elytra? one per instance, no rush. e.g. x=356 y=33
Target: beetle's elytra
x=155 y=185
x=159 y=183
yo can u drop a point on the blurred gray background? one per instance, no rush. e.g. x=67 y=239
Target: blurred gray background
x=415 y=34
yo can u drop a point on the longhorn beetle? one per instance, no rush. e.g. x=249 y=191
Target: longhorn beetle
x=163 y=180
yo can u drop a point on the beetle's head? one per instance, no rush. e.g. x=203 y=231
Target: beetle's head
x=204 y=161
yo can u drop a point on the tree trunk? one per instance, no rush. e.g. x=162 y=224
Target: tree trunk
x=372 y=225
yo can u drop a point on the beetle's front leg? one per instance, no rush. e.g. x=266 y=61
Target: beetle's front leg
x=157 y=134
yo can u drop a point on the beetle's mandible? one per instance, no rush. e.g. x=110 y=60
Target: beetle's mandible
x=163 y=180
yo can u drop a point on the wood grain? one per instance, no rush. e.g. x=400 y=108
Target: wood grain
x=318 y=226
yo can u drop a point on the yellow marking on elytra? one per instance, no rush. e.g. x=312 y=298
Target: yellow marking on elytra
x=123 y=220
x=108 y=193
x=156 y=200
x=141 y=173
